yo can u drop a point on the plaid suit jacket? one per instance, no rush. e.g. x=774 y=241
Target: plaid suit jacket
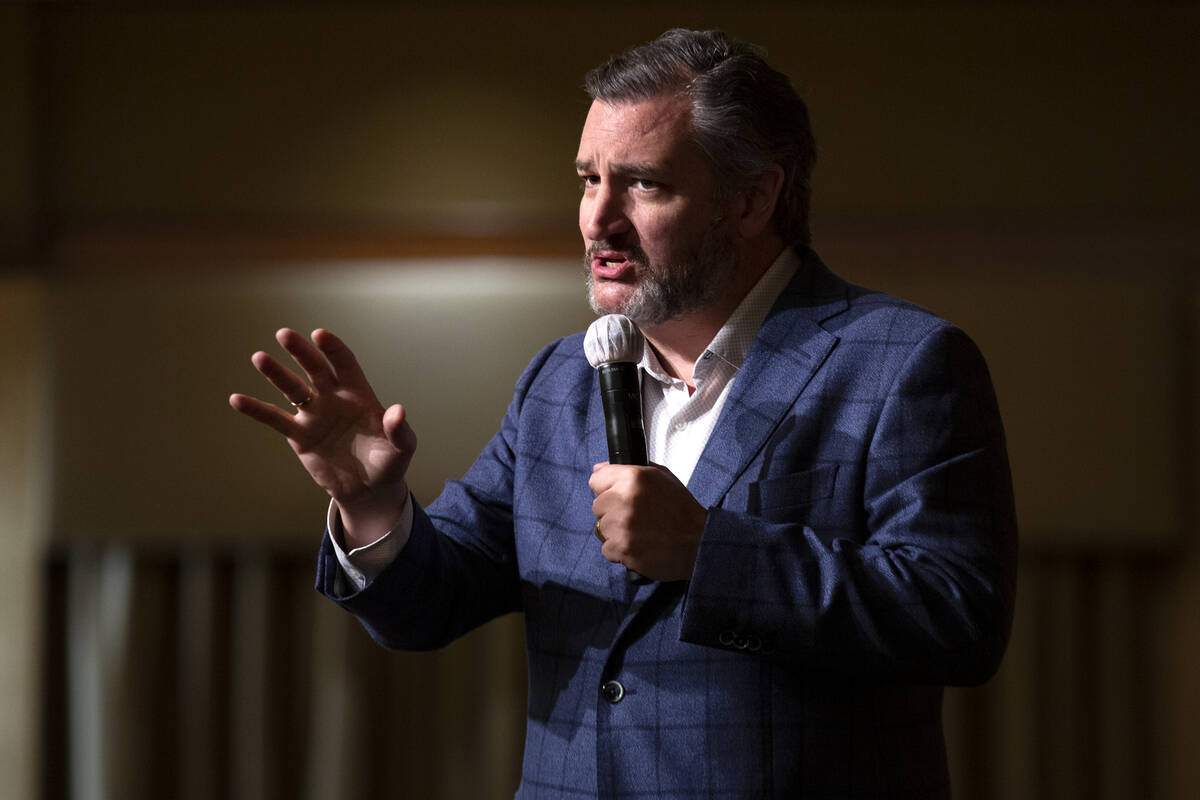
x=859 y=554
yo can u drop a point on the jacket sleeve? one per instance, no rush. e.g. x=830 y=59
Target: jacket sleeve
x=923 y=593
x=458 y=569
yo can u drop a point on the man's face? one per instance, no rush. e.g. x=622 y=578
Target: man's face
x=657 y=245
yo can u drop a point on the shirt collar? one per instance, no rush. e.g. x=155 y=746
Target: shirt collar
x=733 y=340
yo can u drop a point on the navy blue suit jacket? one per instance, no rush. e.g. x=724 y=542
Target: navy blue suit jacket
x=859 y=554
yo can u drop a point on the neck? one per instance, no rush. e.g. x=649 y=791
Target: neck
x=680 y=342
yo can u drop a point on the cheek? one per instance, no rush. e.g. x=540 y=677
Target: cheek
x=679 y=229
x=658 y=234
x=583 y=214
x=671 y=245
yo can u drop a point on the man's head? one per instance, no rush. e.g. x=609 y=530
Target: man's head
x=746 y=115
x=694 y=152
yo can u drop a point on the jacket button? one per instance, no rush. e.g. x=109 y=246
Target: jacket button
x=612 y=691
x=726 y=638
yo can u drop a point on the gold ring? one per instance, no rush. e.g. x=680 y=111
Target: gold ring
x=599 y=535
x=303 y=402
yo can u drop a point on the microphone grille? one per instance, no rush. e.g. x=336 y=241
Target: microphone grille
x=613 y=339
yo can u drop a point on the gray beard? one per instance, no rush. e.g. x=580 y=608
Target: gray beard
x=668 y=293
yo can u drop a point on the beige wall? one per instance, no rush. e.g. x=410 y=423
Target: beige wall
x=157 y=453
x=1026 y=171
x=22 y=527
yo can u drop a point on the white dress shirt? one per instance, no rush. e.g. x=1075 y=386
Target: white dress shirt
x=678 y=422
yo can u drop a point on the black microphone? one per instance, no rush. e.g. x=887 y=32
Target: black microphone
x=614 y=345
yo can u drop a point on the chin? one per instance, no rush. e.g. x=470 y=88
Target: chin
x=609 y=298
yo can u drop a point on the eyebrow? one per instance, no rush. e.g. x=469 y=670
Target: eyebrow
x=630 y=168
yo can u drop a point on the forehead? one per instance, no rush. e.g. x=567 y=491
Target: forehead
x=657 y=130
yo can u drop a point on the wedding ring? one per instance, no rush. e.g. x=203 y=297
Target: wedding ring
x=303 y=402
x=596 y=531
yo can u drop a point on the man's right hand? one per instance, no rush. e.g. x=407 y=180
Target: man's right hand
x=352 y=448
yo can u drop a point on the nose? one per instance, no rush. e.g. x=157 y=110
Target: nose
x=602 y=214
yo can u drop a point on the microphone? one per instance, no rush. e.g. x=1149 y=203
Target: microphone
x=614 y=345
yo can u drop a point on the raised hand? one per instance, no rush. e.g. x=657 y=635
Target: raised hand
x=354 y=449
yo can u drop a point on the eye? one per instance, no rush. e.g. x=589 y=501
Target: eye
x=588 y=181
x=647 y=185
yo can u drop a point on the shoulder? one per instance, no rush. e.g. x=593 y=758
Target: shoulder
x=876 y=334
x=858 y=313
x=559 y=369
x=876 y=316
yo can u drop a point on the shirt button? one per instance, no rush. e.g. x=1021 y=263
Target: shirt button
x=612 y=691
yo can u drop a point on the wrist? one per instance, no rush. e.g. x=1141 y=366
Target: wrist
x=364 y=523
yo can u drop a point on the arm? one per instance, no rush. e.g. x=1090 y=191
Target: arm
x=459 y=566
x=436 y=587
x=924 y=593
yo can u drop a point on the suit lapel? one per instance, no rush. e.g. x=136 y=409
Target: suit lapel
x=791 y=345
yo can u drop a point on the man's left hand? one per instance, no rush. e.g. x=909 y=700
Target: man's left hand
x=648 y=520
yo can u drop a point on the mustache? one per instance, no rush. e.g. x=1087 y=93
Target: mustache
x=636 y=253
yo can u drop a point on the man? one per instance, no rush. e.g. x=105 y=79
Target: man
x=828 y=524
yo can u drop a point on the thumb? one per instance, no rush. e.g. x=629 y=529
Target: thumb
x=398 y=431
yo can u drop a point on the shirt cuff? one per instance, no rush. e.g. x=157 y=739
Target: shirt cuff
x=363 y=564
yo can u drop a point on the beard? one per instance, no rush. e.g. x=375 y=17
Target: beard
x=666 y=292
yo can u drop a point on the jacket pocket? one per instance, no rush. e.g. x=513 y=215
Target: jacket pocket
x=785 y=491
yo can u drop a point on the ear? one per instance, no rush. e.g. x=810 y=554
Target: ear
x=758 y=203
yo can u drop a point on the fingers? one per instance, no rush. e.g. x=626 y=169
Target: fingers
x=398 y=431
x=609 y=502
x=266 y=413
x=603 y=478
x=291 y=385
x=309 y=358
x=340 y=356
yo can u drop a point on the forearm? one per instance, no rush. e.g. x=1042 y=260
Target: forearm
x=433 y=591
x=911 y=610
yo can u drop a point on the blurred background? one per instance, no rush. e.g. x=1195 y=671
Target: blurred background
x=177 y=182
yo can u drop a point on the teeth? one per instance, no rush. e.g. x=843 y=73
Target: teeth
x=610 y=263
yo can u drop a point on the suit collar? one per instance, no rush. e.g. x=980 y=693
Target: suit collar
x=791 y=345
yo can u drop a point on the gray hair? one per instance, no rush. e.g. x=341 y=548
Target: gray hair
x=745 y=114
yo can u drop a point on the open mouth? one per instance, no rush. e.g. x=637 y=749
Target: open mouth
x=610 y=266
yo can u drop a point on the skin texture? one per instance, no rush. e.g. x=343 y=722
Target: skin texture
x=648 y=206
x=647 y=189
x=352 y=447
x=647 y=214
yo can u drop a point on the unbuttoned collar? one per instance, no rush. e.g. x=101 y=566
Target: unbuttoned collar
x=733 y=340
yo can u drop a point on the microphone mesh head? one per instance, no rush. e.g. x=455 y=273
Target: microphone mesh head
x=613 y=339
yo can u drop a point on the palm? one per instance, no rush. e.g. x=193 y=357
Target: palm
x=344 y=446
x=351 y=447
